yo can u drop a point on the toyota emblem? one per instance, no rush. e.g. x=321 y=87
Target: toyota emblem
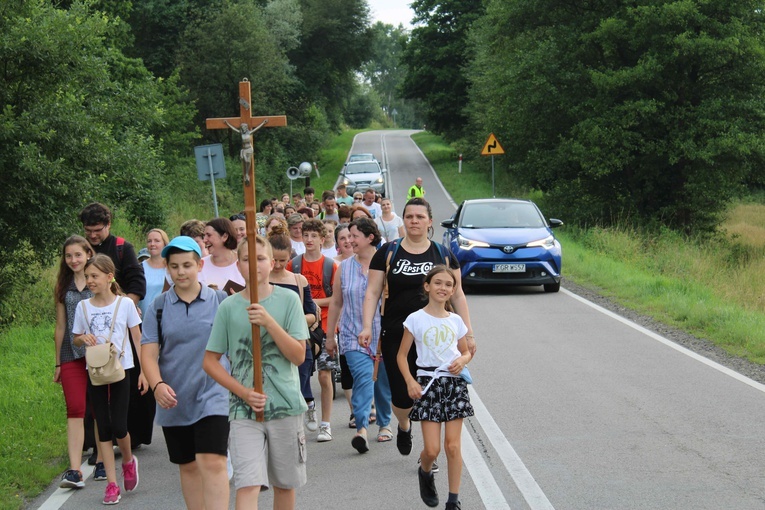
x=508 y=249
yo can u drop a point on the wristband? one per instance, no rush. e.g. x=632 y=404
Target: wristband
x=157 y=385
x=58 y=366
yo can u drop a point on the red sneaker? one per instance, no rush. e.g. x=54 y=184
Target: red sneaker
x=112 y=494
x=130 y=474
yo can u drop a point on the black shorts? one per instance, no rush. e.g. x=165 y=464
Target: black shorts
x=391 y=341
x=208 y=435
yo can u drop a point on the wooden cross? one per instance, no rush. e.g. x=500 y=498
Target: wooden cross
x=246 y=125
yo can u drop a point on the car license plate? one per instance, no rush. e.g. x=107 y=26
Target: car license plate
x=509 y=268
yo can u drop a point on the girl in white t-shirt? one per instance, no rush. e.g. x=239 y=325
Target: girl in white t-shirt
x=440 y=392
x=92 y=325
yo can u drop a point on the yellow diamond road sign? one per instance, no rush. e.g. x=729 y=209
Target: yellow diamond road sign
x=492 y=147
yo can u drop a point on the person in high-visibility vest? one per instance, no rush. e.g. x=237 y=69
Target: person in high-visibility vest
x=417 y=190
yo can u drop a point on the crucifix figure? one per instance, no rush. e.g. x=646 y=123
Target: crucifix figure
x=247 y=152
x=242 y=125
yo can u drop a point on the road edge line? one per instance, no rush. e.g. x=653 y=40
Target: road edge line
x=480 y=474
x=669 y=343
x=522 y=477
x=60 y=496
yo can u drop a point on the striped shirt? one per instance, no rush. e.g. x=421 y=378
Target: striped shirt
x=354 y=285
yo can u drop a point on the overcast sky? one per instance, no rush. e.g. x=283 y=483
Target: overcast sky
x=392 y=11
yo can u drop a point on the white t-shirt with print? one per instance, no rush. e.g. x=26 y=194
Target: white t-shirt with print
x=435 y=338
x=101 y=322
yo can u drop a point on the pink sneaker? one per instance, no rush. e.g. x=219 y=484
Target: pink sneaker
x=112 y=494
x=130 y=474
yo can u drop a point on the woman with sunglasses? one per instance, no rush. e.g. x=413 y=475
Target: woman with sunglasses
x=240 y=226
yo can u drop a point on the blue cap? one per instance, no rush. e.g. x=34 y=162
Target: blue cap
x=183 y=243
x=143 y=253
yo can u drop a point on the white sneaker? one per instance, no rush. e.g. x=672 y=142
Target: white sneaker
x=310 y=420
x=325 y=434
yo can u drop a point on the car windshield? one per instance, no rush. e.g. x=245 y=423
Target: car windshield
x=361 y=157
x=501 y=215
x=363 y=168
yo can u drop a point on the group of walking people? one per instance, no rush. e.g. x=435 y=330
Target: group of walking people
x=395 y=311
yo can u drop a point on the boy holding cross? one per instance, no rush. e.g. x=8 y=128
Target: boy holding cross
x=272 y=452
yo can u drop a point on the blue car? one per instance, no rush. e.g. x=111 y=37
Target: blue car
x=504 y=241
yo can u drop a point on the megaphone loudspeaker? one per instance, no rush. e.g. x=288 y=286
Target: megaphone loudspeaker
x=293 y=173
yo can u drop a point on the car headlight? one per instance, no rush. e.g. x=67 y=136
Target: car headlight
x=380 y=180
x=546 y=243
x=347 y=181
x=469 y=244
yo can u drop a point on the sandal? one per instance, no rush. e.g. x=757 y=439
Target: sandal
x=372 y=415
x=352 y=422
x=385 y=435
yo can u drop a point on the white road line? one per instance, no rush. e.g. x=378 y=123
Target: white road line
x=60 y=496
x=529 y=488
x=484 y=481
x=669 y=343
x=386 y=164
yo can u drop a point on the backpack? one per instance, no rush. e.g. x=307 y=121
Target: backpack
x=326 y=279
x=120 y=248
x=159 y=304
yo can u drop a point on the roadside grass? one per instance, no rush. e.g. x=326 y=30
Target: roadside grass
x=32 y=415
x=711 y=288
x=650 y=279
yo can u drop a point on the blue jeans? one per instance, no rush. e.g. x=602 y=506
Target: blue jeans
x=364 y=389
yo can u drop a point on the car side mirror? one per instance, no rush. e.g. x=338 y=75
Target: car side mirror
x=554 y=223
x=448 y=223
x=384 y=170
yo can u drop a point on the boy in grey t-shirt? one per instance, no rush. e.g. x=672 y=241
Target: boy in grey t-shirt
x=191 y=407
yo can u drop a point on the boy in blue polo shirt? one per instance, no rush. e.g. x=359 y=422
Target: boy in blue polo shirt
x=191 y=407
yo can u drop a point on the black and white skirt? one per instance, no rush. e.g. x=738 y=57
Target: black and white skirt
x=447 y=399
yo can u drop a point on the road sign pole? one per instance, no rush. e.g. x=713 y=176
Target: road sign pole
x=212 y=180
x=493 y=194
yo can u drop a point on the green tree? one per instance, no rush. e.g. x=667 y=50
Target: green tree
x=247 y=40
x=335 y=42
x=231 y=44
x=157 y=27
x=80 y=122
x=435 y=56
x=648 y=109
x=385 y=73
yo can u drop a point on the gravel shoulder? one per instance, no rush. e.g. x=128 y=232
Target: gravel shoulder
x=698 y=345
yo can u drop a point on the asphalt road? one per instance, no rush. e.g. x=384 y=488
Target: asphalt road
x=576 y=408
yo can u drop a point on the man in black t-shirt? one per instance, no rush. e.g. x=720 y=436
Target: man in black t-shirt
x=97 y=221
